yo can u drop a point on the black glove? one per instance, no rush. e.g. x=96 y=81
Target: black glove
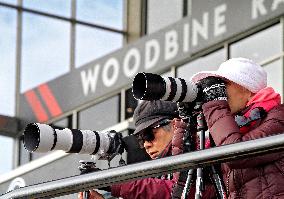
x=185 y=109
x=212 y=88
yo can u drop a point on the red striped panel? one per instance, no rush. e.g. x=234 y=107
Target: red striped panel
x=49 y=100
x=36 y=106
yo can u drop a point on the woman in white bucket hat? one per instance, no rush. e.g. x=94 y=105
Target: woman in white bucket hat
x=238 y=106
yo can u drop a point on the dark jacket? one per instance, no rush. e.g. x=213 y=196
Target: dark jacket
x=148 y=188
x=257 y=177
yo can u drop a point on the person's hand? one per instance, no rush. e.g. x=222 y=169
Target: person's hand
x=93 y=195
x=212 y=88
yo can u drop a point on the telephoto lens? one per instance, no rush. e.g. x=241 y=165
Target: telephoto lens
x=44 y=138
x=148 y=86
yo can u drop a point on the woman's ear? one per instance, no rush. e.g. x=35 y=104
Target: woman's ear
x=250 y=95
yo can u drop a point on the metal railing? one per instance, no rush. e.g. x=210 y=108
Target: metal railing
x=150 y=168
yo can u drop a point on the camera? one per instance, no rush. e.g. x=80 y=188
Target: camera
x=44 y=138
x=148 y=86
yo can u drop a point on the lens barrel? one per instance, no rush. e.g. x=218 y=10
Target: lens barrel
x=148 y=86
x=44 y=138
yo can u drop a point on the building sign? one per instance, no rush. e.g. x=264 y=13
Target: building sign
x=210 y=22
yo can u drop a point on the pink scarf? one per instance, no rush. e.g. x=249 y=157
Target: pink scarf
x=267 y=99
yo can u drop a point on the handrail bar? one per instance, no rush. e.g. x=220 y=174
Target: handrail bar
x=150 y=168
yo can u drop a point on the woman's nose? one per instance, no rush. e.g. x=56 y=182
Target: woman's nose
x=147 y=144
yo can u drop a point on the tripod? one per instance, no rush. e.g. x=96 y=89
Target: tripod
x=186 y=112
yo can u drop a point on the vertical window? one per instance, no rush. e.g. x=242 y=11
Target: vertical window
x=259 y=46
x=161 y=13
x=25 y=156
x=130 y=103
x=275 y=76
x=45 y=50
x=208 y=62
x=58 y=7
x=64 y=123
x=101 y=115
x=10 y=1
x=106 y=13
x=7 y=64
x=167 y=74
x=93 y=43
x=6 y=154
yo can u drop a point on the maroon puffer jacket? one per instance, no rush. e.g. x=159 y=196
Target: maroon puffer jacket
x=258 y=177
x=148 y=188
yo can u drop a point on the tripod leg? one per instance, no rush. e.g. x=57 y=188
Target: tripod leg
x=183 y=186
x=199 y=184
x=218 y=183
x=86 y=194
x=188 y=183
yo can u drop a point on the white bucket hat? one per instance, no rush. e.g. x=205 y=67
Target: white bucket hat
x=242 y=71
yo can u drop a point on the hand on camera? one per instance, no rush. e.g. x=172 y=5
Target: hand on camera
x=212 y=88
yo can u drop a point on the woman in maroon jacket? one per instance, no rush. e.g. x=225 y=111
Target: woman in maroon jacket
x=238 y=106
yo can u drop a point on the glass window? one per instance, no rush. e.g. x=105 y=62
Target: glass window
x=58 y=7
x=167 y=74
x=9 y=1
x=259 y=46
x=25 y=156
x=275 y=76
x=6 y=154
x=45 y=51
x=100 y=116
x=7 y=64
x=93 y=43
x=106 y=13
x=64 y=123
x=130 y=103
x=205 y=63
x=161 y=13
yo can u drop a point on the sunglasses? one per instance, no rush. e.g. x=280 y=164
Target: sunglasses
x=148 y=134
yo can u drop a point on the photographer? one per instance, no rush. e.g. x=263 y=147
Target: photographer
x=238 y=106
x=156 y=123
